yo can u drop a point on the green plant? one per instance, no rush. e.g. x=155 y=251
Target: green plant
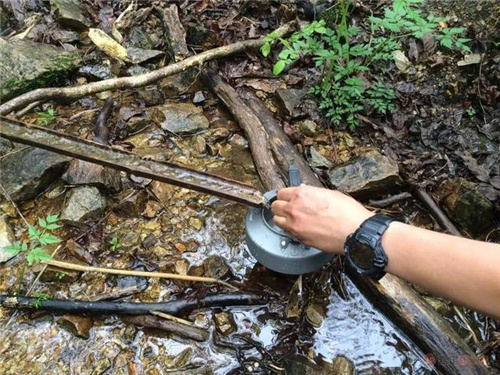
x=344 y=88
x=40 y=296
x=46 y=117
x=39 y=238
x=114 y=244
x=470 y=111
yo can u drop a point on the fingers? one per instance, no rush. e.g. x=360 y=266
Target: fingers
x=286 y=194
x=280 y=221
x=279 y=207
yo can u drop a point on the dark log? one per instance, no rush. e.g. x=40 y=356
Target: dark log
x=150 y=321
x=126 y=161
x=396 y=299
x=102 y=128
x=256 y=135
x=130 y=308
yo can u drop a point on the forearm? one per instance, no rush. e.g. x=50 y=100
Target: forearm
x=464 y=271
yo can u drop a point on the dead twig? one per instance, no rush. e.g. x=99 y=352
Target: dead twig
x=114 y=271
x=389 y=201
x=77 y=92
x=172 y=318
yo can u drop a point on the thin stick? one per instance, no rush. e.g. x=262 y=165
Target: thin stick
x=171 y=317
x=389 y=201
x=142 y=80
x=113 y=271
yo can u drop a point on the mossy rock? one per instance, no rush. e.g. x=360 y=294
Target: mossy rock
x=26 y=65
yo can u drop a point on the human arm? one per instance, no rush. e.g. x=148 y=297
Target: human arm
x=465 y=271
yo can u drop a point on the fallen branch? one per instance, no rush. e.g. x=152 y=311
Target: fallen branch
x=77 y=92
x=436 y=212
x=381 y=203
x=171 y=317
x=113 y=271
x=256 y=134
x=394 y=297
x=189 y=332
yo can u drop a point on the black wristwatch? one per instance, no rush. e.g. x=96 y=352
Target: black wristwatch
x=363 y=248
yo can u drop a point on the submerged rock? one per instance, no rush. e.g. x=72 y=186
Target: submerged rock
x=27 y=173
x=77 y=324
x=466 y=206
x=315 y=314
x=179 y=117
x=82 y=203
x=6 y=239
x=366 y=176
x=301 y=365
x=215 y=266
x=26 y=65
x=69 y=13
x=224 y=323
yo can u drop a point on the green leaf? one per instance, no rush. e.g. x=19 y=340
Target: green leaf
x=53 y=226
x=278 y=67
x=284 y=54
x=37 y=255
x=52 y=218
x=24 y=246
x=14 y=248
x=42 y=222
x=47 y=239
x=447 y=42
x=266 y=49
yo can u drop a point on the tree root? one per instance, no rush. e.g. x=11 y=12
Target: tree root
x=77 y=92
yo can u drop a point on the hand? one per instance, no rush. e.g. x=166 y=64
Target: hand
x=318 y=217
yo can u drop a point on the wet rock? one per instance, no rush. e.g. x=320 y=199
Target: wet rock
x=181 y=267
x=84 y=173
x=101 y=367
x=315 y=314
x=69 y=13
x=131 y=205
x=137 y=70
x=176 y=32
x=301 y=365
x=224 y=323
x=77 y=324
x=198 y=97
x=216 y=267
x=290 y=100
x=96 y=72
x=5 y=24
x=82 y=203
x=138 y=123
x=164 y=192
x=366 y=176
x=27 y=173
x=139 y=55
x=238 y=141
x=308 y=127
x=197 y=35
x=6 y=239
x=317 y=160
x=179 y=83
x=130 y=240
x=150 y=96
x=139 y=39
x=179 y=118
x=199 y=144
x=195 y=223
x=217 y=134
x=294 y=299
x=149 y=241
x=25 y=65
x=466 y=206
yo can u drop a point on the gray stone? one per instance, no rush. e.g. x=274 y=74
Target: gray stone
x=26 y=65
x=198 y=97
x=179 y=117
x=176 y=32
x=96 y=72
x=5 y=24
x=84 y=173
x=307 y=127
x=139 y=39
x=290 y=100
x=466 y=206
x=366 y=176
x=179 y=83
x=82 y=203
x=139 y=55
x=6 y=239
x=69 y=13
x=317 y=160
x=197 y=35
x=27 y=173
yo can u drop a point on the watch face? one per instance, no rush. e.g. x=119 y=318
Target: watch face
x=361 y=255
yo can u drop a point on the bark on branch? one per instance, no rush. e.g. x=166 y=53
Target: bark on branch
x=77 y=92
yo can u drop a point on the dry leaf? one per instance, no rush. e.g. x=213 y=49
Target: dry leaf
x=402 y=62
x=475 y=58
x=107 y=44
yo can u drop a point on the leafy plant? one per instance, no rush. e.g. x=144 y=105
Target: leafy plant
x=343 y=89
x=470 y=111
x=40 y=296
x=114 y=244
x=46 y=117
x=39 y=238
